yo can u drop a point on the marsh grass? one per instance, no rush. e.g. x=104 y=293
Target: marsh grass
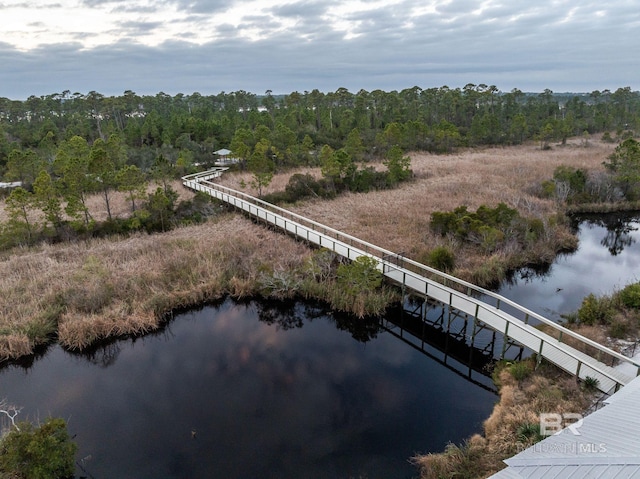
x=100 y=288
x=398 y=219
x=513 y=424
x=106 y=288
x=85 y=291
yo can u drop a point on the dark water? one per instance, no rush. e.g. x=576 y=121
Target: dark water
x=607 y=259
x=243 y=391
x=251 y=390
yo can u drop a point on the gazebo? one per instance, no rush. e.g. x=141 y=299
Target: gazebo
x=224 y=158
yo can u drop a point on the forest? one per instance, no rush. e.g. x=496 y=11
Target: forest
x=66 y=146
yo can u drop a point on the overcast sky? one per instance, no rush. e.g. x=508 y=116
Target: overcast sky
x=209 y=46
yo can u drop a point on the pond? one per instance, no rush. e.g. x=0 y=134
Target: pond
x=251 y=390
x=607 y=259
x=262 y=390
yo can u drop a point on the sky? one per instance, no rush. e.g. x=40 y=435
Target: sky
x=210 y=46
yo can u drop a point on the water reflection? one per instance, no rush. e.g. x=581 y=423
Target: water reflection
x=608 y=258
x=619 y=229
x=252 y=390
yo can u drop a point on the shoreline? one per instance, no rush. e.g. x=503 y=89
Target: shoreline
x=97 y=288
x=514 y=423
x=82 y=293
x=87 y=292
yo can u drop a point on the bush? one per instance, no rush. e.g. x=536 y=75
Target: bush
x=630 y=296
x=302 y=186
x=442 y=258
x=368 y=179
x=548 y=189
x=359 y=276
x=594 y=310
x=521 y=370
x=529 y=433
x=619 y=329
x=590 y=383
x=43 y=452
x=535 y=229
x=196 y=210
x=487 y=226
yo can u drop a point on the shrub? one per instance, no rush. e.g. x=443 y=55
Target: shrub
x=521 y=370
x=575 y=177
x=535 y=229
x=489 y=238
x=195 y=210
x=487 y=226
x=38 y=452
x=630 y=296
x=368 y=179
x=442 y=258
x=548 y=189
x=594 y=310
x=359 y=276
x=278 y=198
x=590 y=383
x=499 y=216
x=619 y=329
x=529 y=433
x=302 y=186
x=444 y=222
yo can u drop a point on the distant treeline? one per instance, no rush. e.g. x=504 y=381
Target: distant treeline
x=297 y=125
x=65 y=147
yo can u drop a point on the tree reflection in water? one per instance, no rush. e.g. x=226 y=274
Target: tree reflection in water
x=288 y=315
x=619 y=228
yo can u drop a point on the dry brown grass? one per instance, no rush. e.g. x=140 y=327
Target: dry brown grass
x=547 y=390
x=91 y=290
x=96 y=289
x=398 y=219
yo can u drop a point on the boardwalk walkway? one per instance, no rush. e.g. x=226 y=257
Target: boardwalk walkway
x=483 y=307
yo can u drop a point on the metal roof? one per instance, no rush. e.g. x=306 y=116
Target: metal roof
x=605 y=446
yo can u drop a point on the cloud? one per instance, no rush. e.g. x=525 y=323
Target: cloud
x=212 y=46
x=205 y=6
x=140 y=27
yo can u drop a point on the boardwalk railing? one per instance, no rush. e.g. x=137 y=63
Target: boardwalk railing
x=494 y=310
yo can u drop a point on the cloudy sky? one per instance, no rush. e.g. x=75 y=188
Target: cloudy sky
x=209 y=46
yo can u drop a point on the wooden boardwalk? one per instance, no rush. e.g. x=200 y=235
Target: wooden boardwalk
x=482 y=306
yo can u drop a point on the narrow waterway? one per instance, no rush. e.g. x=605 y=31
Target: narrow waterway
x=607 y=259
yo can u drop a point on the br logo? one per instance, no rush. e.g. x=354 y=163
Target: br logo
x=553 y=423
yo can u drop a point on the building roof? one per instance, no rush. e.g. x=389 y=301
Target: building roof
x=222 y=152
x=606 y=445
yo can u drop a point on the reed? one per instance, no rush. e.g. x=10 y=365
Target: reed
x=512 y=426
x=86 y=291
x=398 y=219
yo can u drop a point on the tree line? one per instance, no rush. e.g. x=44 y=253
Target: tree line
x=434 y=119
x=63 y=147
